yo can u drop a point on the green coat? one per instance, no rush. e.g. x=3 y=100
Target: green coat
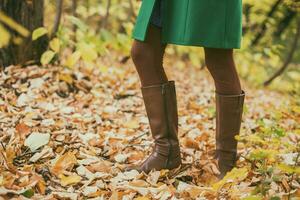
x=207 y=23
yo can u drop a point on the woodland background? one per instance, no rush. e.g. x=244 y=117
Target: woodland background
x=71 y=114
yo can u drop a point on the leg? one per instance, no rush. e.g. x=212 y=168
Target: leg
x=159 y=96
x=220 y=64
x=229 y=105
x=148 y=58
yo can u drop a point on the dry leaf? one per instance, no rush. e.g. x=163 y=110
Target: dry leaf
x=63 y=163
x=189 y=143
x=23 y=130
x=37 y=140
x=69 y=180
x=131 y=124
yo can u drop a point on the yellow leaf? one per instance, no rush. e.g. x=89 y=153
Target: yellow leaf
x=235 y=175
x=142 y=198
x=88 y=52
x=252 y=198
x=5 y=37
x=55 y=45
x=72 y=59
x=47 y=57
x=69 y=180
x=1 y=180
x=296 y=109
x=132 y=124
x=39 y=32
x=13 y=25
x=288 y=169
x=17 y=40
x=66 y=77
x=103 y=69
x=65 y=162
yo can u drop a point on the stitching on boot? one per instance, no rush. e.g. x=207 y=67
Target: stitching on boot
x=167 y=119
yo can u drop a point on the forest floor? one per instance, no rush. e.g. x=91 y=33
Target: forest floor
x=69 y=133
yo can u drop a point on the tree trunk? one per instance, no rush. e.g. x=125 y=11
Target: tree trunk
x=30 y=15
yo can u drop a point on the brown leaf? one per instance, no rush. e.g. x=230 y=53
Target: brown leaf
x=189 y=143
x=136 y=156
x=65 y=162
x=41 y=187
x=22 y=130
x=286 y=185
x=99 y=167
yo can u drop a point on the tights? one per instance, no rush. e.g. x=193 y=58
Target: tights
x=148 y=59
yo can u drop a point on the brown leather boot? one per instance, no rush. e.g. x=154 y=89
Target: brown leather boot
x=229 y=110
x=161 y=107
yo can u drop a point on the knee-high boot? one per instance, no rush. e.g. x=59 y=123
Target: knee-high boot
x=161 y=107
x=229 y=110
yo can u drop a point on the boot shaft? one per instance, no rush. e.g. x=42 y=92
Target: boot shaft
x=229 y=110
x=161 y=108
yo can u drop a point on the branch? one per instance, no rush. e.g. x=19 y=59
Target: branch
x=74 y=27
x=289 y=57
x=285 y=22
x=59 y=4
x=263 y=27
x=104 y=22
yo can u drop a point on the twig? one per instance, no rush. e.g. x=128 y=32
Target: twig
x=139 y=136
x=4 y=148
x=104 y=22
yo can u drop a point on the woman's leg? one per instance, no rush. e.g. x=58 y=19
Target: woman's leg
x=220 y=63
x=148 y=58
x=229 y=105
x=159 y=97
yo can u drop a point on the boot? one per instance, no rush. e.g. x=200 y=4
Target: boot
x=229 y=109
x=161 y=107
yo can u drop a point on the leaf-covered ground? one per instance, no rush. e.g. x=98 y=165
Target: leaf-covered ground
x=69 y=133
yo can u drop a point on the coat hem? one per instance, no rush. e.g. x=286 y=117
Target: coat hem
x=200 y=44
x=194 y=44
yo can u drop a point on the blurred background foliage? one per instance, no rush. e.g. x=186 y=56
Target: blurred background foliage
x=82 y=31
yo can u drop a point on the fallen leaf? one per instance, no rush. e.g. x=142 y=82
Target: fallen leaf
x=190 y=143
x=121 y=158
x=131 y=124
x=89 y=190
x=62 y=195
x=153 y=177
x=234 y=176
x=23 y=130
x=37 y=140
x=69 y=180
x=63 y=163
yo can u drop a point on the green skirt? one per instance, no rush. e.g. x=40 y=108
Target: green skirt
x=206 y=23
